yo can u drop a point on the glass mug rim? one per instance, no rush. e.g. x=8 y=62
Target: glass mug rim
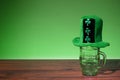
x=89 y=48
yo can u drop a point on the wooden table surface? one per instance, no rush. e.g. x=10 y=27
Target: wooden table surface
x=54 y=70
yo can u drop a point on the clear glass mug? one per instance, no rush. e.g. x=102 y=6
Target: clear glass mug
x=90 y=60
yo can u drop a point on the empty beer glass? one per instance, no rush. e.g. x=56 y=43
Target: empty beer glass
x=90 y=60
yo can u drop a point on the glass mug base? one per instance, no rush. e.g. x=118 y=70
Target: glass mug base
x=89 y=68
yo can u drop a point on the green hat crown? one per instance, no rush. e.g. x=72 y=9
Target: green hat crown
x=90 y=32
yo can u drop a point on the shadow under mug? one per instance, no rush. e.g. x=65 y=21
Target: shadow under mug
x=90 y=60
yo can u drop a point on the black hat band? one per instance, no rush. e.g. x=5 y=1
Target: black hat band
x=88 y=30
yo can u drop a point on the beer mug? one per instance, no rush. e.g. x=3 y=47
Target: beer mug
x=90 y=60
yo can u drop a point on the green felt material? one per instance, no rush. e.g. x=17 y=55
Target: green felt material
x=78 y=41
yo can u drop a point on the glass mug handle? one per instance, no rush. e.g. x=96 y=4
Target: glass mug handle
x=104 y=59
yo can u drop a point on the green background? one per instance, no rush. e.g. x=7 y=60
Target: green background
x=44 y=29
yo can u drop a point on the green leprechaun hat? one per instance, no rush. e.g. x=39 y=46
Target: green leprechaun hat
x=90 y=33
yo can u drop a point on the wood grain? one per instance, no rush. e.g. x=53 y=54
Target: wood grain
x=54 y=70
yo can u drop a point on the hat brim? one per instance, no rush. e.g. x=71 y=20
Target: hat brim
x=76 y=42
